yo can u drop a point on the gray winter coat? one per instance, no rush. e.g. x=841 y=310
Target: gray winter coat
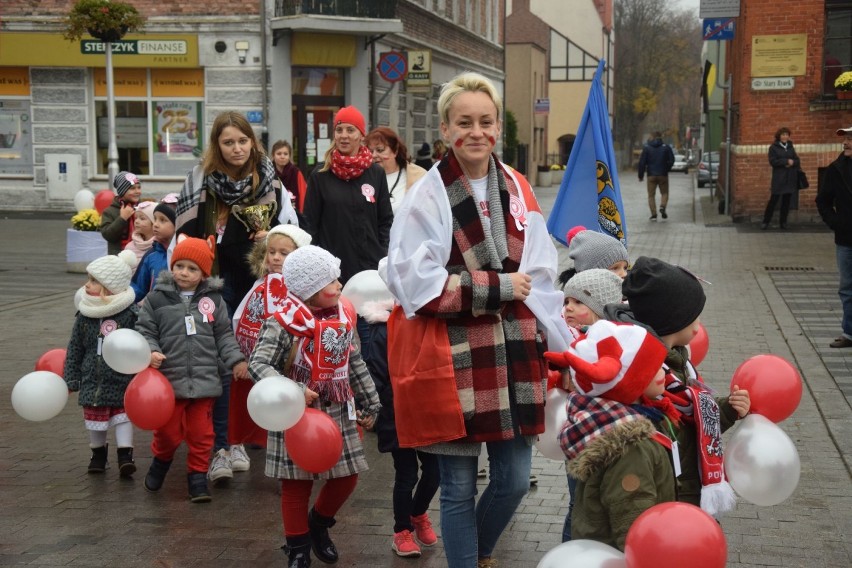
x=191 y=360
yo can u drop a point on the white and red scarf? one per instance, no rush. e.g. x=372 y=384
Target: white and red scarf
x=351 y=167
x=266 y=298
x=699 y=410
x=325 y=341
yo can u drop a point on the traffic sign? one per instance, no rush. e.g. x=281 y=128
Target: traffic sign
x=392 y=66
x=718 y=29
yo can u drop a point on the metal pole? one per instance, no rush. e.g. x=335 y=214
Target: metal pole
x=112 y=151
x=264 y=85
x=728 y=112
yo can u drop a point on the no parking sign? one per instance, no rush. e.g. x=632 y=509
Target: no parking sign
x=392 y=66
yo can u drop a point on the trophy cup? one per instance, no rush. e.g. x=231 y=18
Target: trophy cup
x=255 y=217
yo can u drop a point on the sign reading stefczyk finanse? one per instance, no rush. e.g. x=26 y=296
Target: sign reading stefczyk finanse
x=38 y=49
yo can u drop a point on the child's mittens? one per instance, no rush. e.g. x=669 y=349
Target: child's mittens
x=554 y=379
x=558 y=359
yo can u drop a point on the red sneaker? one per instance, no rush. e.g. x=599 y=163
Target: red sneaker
x=423 y=530
x=404 y=545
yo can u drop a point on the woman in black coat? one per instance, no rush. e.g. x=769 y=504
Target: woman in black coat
x=785 y=176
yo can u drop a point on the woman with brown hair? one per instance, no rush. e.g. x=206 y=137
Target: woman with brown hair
x=391 y=153
x=785 y=177
x=231 y=195
x=290 y=176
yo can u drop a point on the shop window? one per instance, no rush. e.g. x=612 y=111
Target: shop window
x=158 y=125
x=838 y=42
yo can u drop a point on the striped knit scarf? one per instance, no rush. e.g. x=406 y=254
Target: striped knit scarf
x=322 y=359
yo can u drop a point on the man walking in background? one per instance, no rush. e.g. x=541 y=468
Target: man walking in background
x=657 y=160
x=834 y=201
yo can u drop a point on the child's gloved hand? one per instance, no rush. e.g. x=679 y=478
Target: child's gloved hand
x=558 y=359
x=157 y=359
x=740 y=401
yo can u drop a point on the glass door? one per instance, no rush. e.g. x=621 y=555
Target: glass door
x=313 y=131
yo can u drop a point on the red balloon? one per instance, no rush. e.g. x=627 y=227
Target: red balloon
x=149 y=399
x=315 y=442
x=103 y=199
x=53 y=361
x=699 y=346
x=773 y=384
x=674 y=535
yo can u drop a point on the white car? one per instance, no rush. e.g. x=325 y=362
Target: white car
x=680 y=164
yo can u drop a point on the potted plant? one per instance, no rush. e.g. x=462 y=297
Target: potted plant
x=556 y=174
x=101 y=19
x=843 y=85
x=84 y=242
x=544 y=177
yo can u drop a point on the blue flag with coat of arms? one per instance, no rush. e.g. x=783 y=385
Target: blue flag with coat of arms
x=590 y=194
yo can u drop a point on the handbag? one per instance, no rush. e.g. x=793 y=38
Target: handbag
x=802 y=180
x=425 y=397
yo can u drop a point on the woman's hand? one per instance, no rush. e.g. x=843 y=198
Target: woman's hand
x=260 y=235
x=790 y=162
x=521 y=285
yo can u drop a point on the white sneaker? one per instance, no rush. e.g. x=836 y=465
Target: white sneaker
x=220 y=467
x=239 y=458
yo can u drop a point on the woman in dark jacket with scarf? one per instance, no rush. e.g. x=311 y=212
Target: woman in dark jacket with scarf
x=231 y=195
x=785 y=177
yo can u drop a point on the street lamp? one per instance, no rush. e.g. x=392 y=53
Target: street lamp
x=112 y=150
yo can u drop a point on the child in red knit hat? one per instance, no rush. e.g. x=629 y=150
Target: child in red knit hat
x=186 y=323
x=614 y=436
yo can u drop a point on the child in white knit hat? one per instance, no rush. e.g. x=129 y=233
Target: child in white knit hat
x=310 y=340
x=266 y=297
x=615 y=437
x=105 y=304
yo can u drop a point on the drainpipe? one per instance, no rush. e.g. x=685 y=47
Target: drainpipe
x=264 y=98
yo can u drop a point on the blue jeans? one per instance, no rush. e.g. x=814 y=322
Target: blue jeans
x=844 y=266
x=566 y=528
x=471 y=529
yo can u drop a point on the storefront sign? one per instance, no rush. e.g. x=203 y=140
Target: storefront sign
x=15 y=81
x=773 y=84
x=778 y=55
x=135 y=47
x=126 y=82
x=419 y=78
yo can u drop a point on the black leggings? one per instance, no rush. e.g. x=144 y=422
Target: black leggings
x=770 y=208
x=405 y=505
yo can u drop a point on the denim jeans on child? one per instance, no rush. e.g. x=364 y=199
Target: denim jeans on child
x=566 y=528
x=471 y=529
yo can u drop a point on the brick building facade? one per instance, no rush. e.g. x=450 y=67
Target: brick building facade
x=810 y=108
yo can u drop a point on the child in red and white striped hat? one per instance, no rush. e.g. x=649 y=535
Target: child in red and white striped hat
x=613 y=437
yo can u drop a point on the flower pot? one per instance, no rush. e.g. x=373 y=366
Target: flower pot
x=843 y=95
x=110 y=35
x=544 y=179
x=556 y=177
x=81 y=248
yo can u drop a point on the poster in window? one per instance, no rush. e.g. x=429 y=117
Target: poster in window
x=178 y=140
x=15 y=137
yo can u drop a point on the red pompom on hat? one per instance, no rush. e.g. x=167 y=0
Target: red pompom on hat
x=351 y=115
x=573 y=232
x=613 y=361
x=199 y=251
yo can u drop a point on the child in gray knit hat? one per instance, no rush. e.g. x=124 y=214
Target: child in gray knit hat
x=587 y=293
x=591 y=249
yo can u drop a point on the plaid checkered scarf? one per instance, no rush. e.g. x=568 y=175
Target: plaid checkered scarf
x=245 y=191
x=516 y=378
x=591 y=417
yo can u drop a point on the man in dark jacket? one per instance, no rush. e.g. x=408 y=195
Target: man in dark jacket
x=834 y=201
x=657 y=160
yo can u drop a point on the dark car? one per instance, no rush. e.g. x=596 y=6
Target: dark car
x=708 y=168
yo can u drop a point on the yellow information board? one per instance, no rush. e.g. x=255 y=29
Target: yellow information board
x=779 y=55
x=14 y=81
x=126 y=82
x=39 y=49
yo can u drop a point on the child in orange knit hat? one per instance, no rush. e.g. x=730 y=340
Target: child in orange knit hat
x=186 y=323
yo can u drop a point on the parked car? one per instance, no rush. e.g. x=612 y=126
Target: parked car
x=708 y=168
x=680 y=164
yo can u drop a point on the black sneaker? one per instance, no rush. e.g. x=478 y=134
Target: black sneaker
x=156 y=474
x=663 y=212
x=653 y=218
x=198 y=491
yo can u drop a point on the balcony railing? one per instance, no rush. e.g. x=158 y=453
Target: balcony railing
x=380 y=9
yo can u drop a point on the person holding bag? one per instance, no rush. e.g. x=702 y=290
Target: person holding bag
x=785 y=177
x=471 y=262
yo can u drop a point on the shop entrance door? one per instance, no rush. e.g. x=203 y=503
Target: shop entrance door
x=313 y=130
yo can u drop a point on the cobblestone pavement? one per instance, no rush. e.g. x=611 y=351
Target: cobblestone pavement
x=771 y=292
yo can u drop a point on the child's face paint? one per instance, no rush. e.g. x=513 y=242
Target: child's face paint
x=327 y=297
x=473 y=130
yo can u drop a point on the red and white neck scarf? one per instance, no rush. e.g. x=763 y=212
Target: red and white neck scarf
x=350 y=167
x=325 y=341
x=700 y=411
x=266 y=298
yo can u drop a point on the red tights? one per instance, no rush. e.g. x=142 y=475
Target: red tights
x=296 y=495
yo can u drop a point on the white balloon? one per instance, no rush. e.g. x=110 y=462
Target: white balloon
x=555 y=416
x=276 y=403
x=583 y=554
x=84 y=199
x=761 y=462
x=39 y=396
x=126 y=351
x=366 y=286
